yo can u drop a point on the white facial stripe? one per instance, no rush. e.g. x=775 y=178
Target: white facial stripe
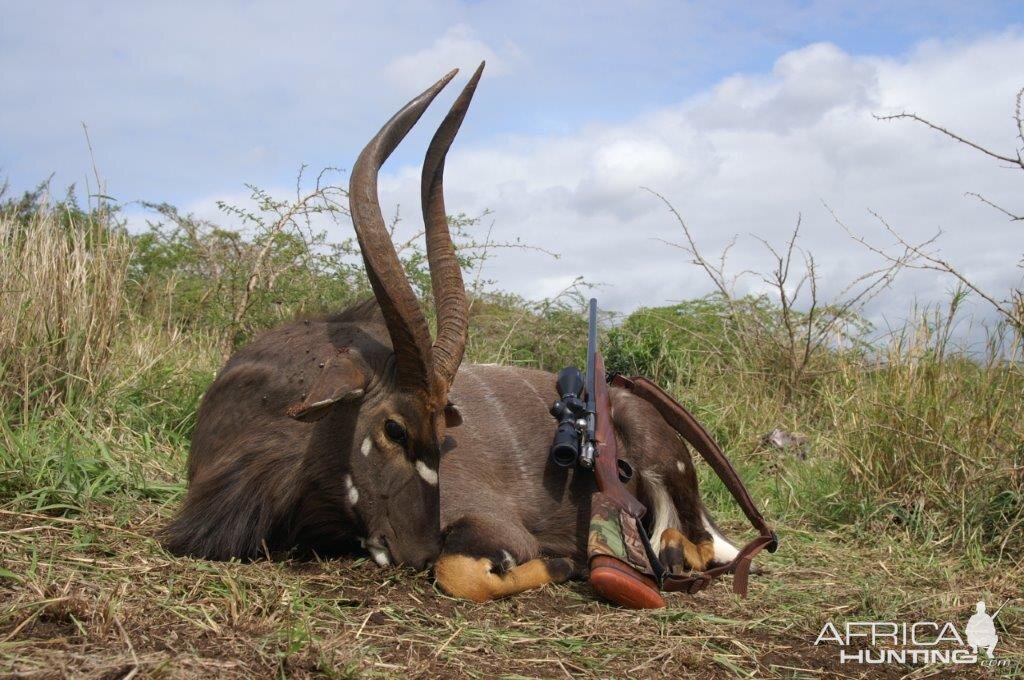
x=351 y=490
x=365 y=448
x=428 y=475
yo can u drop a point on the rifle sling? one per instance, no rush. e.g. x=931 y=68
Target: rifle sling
x=685 y=424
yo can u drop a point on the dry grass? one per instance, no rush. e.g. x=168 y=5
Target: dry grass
x=908 y=506
x=61 y=307
x=96 y=597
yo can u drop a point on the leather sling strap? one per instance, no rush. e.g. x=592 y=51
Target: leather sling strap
x=685 y=424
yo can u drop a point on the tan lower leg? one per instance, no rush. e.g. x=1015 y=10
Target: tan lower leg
x=697 y=555
x=471 y=578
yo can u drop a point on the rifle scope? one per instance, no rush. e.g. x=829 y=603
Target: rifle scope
x=569 y=410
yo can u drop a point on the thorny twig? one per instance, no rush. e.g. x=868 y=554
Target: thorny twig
x=804 y=333
x=1018 y=161
x=1012 y=308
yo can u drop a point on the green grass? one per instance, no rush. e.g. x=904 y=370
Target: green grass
x=907 y=505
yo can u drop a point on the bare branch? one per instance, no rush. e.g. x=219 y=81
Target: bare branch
x=1018 y=114
x=1018 y=161
x=714 y=273
x=802 y=326
x=1013 y=218
x=932 y=262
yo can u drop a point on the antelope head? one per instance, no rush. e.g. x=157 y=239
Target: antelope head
x=384 y=398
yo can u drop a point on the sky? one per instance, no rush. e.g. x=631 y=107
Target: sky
x=743 y=115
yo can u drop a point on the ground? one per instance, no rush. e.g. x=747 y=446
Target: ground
x=94 y=595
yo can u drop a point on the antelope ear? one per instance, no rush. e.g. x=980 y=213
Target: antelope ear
x=452 y=415
x=341 y=379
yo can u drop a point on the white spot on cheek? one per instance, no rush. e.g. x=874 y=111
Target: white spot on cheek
x=428 y=475
x=367 y=445
x=351 y=490
x=681 y=465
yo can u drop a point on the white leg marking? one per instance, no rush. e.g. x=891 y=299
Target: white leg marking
x=428 y=475
x=367 y=445
x=351 y=491
x=664 y=511
x=724 y=550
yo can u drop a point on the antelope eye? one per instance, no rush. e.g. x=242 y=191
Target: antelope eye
x=396 y=432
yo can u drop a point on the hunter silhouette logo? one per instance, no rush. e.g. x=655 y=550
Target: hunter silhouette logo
x=981 y=630
x=920 y=642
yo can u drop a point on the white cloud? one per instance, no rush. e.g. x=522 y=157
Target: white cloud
x=456 y=47
x=558 y=146
x=803 y=86
x=745 y=157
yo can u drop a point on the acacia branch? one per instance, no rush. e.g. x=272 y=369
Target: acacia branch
x=1018 y=114
x=1013 y=218
x=714 y=273
x=928 y=260
x=1018 y=161
x=798 y=335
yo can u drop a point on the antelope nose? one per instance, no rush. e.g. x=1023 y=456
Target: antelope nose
x=418 y=557
x=379 y=550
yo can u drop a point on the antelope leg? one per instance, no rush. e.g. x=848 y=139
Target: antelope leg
x=475 y=578
x=483 y=559
x=679 y=553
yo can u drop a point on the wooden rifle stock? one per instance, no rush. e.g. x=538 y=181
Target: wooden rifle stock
x=624 y=568
x=614 y=510
x=606 y=462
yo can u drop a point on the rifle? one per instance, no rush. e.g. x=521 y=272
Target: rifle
x=624 y=568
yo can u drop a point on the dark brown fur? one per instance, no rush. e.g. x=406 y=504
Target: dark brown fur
x=325 y=433
x=261 y=481
x=499 y=486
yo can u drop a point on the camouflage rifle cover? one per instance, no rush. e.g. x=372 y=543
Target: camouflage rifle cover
x=613 y=532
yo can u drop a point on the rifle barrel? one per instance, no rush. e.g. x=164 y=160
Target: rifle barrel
x=591 y=355
x=589 y=448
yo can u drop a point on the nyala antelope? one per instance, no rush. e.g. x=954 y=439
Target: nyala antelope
x=355 y=429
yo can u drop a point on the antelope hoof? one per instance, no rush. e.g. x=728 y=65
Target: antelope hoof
x=561 y=569
x=679 y=554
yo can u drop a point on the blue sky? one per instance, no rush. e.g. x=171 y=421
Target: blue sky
x=189 y=100
x=582 y=102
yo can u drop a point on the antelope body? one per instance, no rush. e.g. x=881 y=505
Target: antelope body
x=354 y=429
